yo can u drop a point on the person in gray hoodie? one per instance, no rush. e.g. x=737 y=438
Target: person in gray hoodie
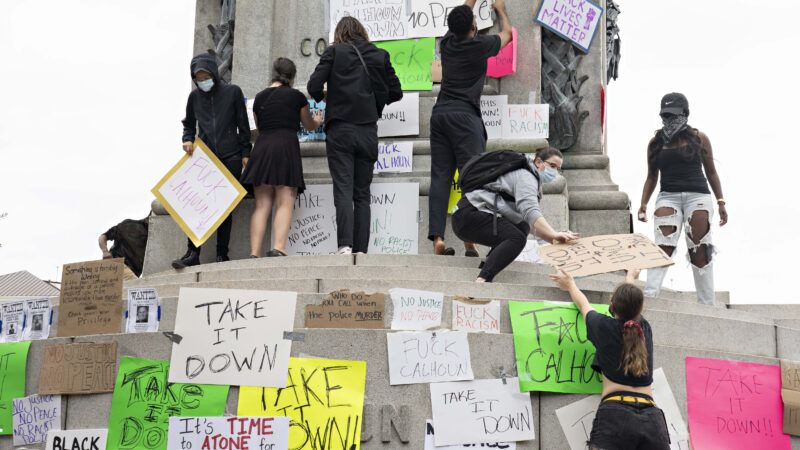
x=474 y=220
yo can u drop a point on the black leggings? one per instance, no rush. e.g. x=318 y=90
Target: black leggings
x=471 y=225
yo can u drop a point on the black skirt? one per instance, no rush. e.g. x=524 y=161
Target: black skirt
x=275 y=161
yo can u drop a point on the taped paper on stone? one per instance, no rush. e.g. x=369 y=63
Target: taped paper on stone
x=34 y=417
x=143 y=310
x=416 y=310
x=12 y=317
x=38 y=317
x=574 y=21
x=313 y=227
x=78 y=368
x=400 y=118
x=232 y=336
x=395 y=157
x=430 y=444
x=526 y=122
x=476 y=317
x=199 y=193
x=91 y=298
x=428 y=357
x=790 y=393
x=13 y=366
x=269 y=433
x=76 y=439
x=493 y=110
x=394 y=229
x=602 y=254
x=345 y=309
x=411 y=60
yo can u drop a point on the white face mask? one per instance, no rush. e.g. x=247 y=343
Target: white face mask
x=205 y=85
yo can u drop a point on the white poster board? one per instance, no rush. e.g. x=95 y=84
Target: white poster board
x=268 y=433
x=430 y=444
x=476 y=316
x=313 y=228
x=144 y=311
x=481 y=411
x=576 y=418
x=232 y=337
x=199 y=193
x=526 y=122
x=394 y=228
x=575 y=21
x=493 y=109
x=428 y=357
x=12 y=319
x=76 y=439
x=416 y=310
x=395 y=157
x=401 y=118
x=33 y=417
x=385 y=21
x=38 y=317
x=428 y=18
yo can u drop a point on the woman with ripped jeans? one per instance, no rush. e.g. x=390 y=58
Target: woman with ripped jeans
x=682 y=156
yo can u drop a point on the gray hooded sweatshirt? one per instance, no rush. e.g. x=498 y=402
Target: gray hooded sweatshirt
x=521 y=184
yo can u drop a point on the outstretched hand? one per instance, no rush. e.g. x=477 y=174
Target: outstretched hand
x=632 y=275
x=564 y=280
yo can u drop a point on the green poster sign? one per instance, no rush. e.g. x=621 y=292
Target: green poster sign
x=412 y=60
x=13 y=364
x=553 y=352
x=144 y=400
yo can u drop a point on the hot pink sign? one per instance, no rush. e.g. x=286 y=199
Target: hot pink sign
x=734 y=405
x=505 y=63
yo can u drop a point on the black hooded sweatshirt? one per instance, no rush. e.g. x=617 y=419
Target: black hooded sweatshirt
x=220 y=114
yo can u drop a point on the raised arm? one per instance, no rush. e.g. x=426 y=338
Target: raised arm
x=567 y=283
x=310 y=121
x=713 y=178
x=649 y=184
x=470 y=3
x=505 y=24
x=102 y=241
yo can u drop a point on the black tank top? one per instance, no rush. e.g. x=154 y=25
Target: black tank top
x=681 y=170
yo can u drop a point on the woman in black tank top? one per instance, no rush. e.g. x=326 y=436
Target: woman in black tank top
x=682 y=156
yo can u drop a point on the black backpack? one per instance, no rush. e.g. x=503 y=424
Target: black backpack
x=487 y=167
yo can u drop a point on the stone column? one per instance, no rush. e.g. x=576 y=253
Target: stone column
x=252 y=50
x=529 y=55
x=206 y=13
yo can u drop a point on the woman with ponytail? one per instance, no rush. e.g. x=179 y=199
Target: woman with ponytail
x=627 y=417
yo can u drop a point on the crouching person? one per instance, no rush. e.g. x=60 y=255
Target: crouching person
x=499 y=207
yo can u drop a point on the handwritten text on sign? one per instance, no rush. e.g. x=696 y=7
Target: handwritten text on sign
x=232 y=336
x=429 y=17
x=574 y=20
x=394 y=157
x=76 y=439
x=601 y=254
x=734 y=405
x=493 y=109
x=479 y=411
x=475 y=316
x=411 y=60
x=416 y=310
x=428 y=357
x=790 y=393
x=143 y=401
x=80 y=368
x=430 y=444
x=323 y=398
x=401 y=118
x=224 y=433
x=34 y=416
x=199 y=193
x=13 y=364
x=90 y=298
x=526 y=122
x=553 y=352
x=505 y=63
x=394 y=229
x=313 y=227
x=345 y=309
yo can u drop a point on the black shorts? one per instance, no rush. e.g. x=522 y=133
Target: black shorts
x=629 y=426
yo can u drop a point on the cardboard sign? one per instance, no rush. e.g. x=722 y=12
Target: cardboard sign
x=199 y=193
x=13 y=321
x=428 y=357
x=476 y=316
x=76 y=439
x=39 y=317
x=455 y=194
x=493 y=109
x=91 y=298
x=401 y=118
x=345 y=309
x=144 y=400
x=34 y=417
x=431 y=445
x=323 y=398
x=481 y=411
x=428 y=18
x=232 y=336
x=13 y=365
x=577 y=418
x=601 y=254
x=384 y=21
x=436 y=71
x=575 y=20
x=271 y=433
x=553 y=352
x=313 y=228
x=394 y=157
x=790 y=393
x=505 y=63
x=411 y=60
x=144 y=310
x=416 y=310
x=81 y=368
x=394 y=209
x=318 y=134
x=734 y=405
x=526 y=122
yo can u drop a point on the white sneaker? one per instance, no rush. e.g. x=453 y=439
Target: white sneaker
x=345 y=251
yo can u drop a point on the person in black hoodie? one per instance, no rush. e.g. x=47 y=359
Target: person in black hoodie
x=361 y=81
x=216 y=113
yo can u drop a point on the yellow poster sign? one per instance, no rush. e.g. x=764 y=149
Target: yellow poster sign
x=455 y=194
x=323 y=398
x=199 y=193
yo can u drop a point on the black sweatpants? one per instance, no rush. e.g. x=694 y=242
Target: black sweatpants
x=471 y=225
x=456 y=136
x=234 y=166
x=352 y=151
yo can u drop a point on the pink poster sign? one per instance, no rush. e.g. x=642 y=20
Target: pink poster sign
x=505 y=63
x=734 y=405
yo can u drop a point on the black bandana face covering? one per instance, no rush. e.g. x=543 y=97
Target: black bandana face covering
x=673 y=125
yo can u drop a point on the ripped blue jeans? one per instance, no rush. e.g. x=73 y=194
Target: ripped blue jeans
x=681 y=209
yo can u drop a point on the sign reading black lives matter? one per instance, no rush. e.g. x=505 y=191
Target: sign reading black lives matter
x=232 y=337
x=574 y=20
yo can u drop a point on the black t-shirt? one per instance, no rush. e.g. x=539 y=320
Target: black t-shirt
x=279 y=108
x=130 y=241
x=464 y=67
x=606 y=335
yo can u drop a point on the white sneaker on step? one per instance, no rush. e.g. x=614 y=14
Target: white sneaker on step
x=345 y=251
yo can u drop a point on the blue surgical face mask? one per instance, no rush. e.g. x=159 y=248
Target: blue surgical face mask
x=548 y=175
x=205 y=85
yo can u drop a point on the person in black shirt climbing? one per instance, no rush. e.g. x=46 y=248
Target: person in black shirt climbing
x=627 y=417
x=457 y=131
x=216 y=113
